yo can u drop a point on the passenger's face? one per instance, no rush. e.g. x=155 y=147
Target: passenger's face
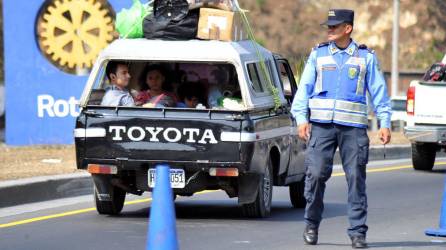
x=155 y=80
x=122 y=76
x=338 y=32
x=192 y=102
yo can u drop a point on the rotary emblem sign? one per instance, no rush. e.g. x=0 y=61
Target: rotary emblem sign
x=71 y=33
x=49 y=48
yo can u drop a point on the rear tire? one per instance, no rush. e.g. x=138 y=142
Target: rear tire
x=297 y=194
x=423 y=156
x=114 y=205
x=261 y=207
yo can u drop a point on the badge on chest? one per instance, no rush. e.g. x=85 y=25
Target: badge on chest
x=352 y=72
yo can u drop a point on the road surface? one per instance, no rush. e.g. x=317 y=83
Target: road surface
x=402 y=204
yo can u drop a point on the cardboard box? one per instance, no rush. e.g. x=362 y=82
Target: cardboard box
x=220 y=25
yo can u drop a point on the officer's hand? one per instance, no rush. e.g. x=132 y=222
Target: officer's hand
x=304 y=131
x=384 y=135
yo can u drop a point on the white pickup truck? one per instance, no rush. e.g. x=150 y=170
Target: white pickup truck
x=426 y=121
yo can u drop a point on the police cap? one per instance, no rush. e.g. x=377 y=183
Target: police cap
x=338 y=16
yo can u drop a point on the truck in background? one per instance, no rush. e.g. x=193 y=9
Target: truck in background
x=426 y=119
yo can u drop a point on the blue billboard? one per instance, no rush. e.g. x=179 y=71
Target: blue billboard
x=49 y=47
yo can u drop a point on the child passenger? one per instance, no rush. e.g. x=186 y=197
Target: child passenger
x=191 y=95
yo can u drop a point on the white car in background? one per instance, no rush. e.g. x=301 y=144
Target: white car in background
x=398 y=104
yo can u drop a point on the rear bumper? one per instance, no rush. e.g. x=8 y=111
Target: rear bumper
x=427 y=134
x=198 y=178
x=130 y=164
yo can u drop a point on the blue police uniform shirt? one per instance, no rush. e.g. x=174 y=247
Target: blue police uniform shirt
x=374 y=83
x=115 y=96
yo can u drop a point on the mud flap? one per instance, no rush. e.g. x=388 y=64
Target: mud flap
x=248 y=184
x=103 y=186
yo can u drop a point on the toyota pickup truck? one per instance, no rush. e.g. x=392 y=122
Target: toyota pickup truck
x=244 y=147
x=426 y=121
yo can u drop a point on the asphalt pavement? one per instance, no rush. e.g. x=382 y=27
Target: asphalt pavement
x=37 y=189
x=402 y=204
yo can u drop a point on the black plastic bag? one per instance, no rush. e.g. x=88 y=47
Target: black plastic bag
x=159 y=27
x=171 y=9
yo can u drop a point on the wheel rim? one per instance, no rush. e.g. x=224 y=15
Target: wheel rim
x=266 y=188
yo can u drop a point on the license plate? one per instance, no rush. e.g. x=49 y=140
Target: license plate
x=177 y=178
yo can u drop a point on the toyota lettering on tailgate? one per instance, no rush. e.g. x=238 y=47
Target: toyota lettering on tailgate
x=153 y=134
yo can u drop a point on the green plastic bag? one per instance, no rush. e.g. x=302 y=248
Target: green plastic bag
x=129 y=21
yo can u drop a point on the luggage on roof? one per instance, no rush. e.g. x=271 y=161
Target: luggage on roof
x=436 y=72
x=160 y=27
x=174 y=10
x=215 y=24
x=182 y=20
x=129 y=21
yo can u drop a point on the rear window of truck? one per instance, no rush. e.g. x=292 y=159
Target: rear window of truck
x=167 y=84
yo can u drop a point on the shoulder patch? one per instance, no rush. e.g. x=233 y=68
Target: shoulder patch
x=323 y=44
x=363 y=46
x=320 y=45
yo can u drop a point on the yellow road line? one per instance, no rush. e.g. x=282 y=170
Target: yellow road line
x=137 y=201
x=75 y=212
x=87 y=210
x=150 y=199
x=207 y=191
x=378 y=170
x=47 y=217
x=374 y=170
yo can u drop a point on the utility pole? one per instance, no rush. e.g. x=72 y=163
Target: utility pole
x=395 y=41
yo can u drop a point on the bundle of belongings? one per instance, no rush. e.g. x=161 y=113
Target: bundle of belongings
x=436 y=73
x=185 y=20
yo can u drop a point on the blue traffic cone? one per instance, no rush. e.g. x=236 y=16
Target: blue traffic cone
x=441 y=232
x=162 y=233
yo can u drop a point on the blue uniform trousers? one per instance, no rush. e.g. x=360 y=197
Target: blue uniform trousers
x=353 y=147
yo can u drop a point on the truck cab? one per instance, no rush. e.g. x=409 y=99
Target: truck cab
x=244 y=145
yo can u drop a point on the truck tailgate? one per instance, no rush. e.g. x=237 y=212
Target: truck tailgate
x=162 y=136
x=430 y=99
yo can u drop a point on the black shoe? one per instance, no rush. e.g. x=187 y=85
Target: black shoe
x=310 y=235
x=359 y=242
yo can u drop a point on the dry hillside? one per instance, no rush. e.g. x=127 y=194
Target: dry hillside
x=291 y=27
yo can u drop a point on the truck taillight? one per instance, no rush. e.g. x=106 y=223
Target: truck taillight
x=228 y=172
x=410 y=105
x=102 y=169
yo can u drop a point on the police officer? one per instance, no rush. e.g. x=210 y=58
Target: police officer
x=331 y=111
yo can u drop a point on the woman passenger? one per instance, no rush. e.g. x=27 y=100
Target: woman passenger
x=153 y=92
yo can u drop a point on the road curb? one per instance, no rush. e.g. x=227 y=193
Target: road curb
x=17 y=192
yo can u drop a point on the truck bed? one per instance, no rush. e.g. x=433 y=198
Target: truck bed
x=430 y=102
